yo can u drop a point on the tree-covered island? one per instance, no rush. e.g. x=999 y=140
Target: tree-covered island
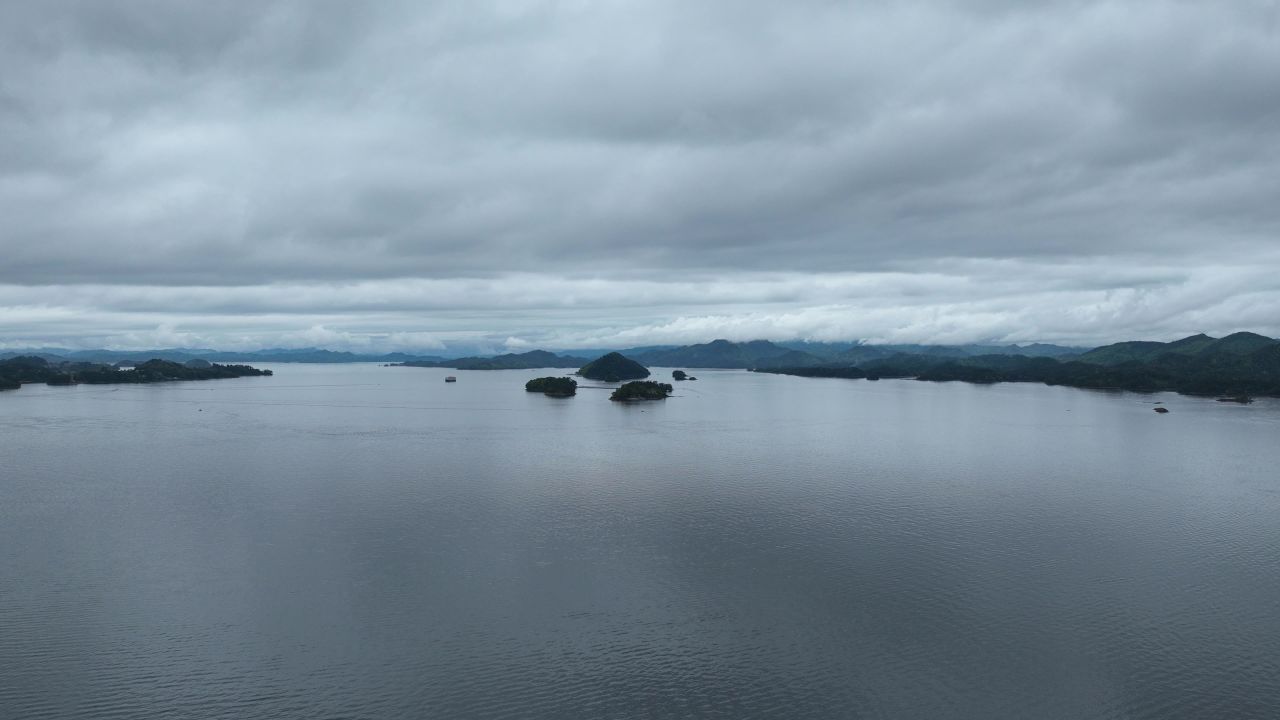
x=642 y=390
x=553 y=386
x=33 y=369
x=613 y=367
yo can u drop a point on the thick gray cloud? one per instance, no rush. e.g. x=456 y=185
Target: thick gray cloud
x=385 y=174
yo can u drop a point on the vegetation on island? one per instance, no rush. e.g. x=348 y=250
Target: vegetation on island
x=553 y=386
x=679 y=375
x=642 y=390
x=613 y=367
x=1236 y=366
x=33 y=369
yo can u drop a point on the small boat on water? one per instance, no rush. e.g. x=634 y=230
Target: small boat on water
x=450 y=378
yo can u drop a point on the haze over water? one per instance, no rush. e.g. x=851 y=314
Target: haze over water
x=367 y=542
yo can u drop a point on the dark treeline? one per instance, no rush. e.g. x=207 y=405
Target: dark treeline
x=30 y=369
x=1241 y=364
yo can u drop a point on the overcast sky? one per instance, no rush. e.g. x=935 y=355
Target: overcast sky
x=510 y=173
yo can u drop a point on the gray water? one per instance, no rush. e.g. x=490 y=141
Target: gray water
x=368 y=542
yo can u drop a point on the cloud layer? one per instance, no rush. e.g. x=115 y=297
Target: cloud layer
x=383 y=174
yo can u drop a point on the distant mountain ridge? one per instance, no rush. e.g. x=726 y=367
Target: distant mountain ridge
x=511 y=361
x=718 y=353
x=1200 y=345
x=863 y=353
x=727 y=355
x=1238 y=365
x=765 y=354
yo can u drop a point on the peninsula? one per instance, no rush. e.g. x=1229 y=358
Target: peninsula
x=31 y=369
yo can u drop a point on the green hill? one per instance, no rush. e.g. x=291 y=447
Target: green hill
x=1130 y=351
x=1196 y=345
x=1242 y=343
x=1192 y=345
x=613 y=367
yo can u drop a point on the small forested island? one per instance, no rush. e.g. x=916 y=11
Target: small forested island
x=1236 y=366
x=613 y=367
x=33 y=369
x=553 y=386
x=642 y=390
x=679 y=375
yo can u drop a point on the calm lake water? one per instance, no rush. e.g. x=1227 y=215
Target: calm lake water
x=366 y=542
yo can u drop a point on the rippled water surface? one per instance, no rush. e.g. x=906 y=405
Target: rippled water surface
x=370 y=542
